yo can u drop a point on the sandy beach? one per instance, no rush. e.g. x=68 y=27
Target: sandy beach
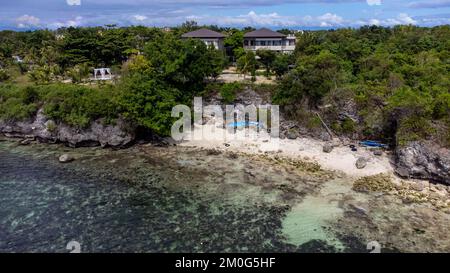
x=341 y=158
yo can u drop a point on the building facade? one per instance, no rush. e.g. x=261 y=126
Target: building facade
x=209 y=37
x=269 y=40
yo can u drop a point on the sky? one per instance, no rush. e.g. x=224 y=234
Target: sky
x=294 y=14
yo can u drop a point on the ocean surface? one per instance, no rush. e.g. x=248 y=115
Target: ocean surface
x=168 y=200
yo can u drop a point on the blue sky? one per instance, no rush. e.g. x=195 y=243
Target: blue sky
x=296 y=14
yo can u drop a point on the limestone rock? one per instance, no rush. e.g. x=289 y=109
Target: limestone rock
x=378 y=152
x=424 y=160
x=361 y=163
x=40 y=127
x=327 y=148
x=65 y=158
x=291 y=135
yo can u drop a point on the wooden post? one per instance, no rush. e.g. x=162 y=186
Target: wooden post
x=326 y=127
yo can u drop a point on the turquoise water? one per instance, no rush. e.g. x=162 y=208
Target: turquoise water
x=130 y=208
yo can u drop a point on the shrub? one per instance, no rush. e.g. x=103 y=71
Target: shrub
x=4 y=76
x=51 y=126
x=17 y=103
x=442 y=106
x=228 y=91
x=77 y=105
x=78 y=72
x=44 y=74
x=14 y=109
x=348 y=126
x=413 y=129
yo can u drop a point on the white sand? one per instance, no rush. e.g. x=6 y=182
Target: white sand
x=340 y=159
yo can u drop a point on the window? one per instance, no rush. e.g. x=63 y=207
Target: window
x=246 y=43
x=263 y=43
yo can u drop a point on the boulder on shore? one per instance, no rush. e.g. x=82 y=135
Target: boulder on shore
x=361 y=163
x=423 y=160
x=327 y=148
x=292 y=135
x=65 y=158
x=378 y=152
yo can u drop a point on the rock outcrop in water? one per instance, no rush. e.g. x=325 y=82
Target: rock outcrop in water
x=46 y=130
x=424 y=160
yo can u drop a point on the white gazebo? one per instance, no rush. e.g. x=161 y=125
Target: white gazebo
x=102 y=74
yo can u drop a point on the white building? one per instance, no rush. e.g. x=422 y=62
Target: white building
x=209 y=37
x=270 y=40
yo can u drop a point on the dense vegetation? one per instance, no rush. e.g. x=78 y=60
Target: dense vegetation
x=389 y=83
x=373 y=82
x=158 y=70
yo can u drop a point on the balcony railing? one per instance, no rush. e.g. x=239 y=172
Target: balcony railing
x=273 y=48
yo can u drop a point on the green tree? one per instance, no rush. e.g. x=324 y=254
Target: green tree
x=280 y=65
x=247 y=63
x=234 y=43
x=267 y=57
x=183 y=64
x=148 y=102
x=313 y=78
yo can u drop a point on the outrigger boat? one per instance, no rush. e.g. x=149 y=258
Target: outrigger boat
x=373 y=144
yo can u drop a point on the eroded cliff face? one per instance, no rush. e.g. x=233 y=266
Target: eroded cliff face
x=424 y=160
x=117 y=135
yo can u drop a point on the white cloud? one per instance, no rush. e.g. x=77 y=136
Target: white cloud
x=138 y=17
x=69 y=23
x=406 y=19
x=401 y=19
x=330 y=19
x=373 y=2
x=375 y=22
x=271 y=19
x=252 y=19
x=27 y=21
x=73 y=2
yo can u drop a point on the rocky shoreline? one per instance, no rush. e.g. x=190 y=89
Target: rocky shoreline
x=46 y=130
x=424 y=160
x=418 y=160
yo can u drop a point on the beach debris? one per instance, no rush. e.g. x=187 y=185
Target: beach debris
x=353 y=148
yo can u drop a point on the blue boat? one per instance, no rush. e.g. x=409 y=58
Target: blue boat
x=372 y=143
x=245 y=124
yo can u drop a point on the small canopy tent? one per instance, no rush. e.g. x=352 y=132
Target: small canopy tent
x=102 y=74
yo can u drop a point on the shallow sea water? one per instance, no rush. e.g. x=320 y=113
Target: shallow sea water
x=168 y=200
